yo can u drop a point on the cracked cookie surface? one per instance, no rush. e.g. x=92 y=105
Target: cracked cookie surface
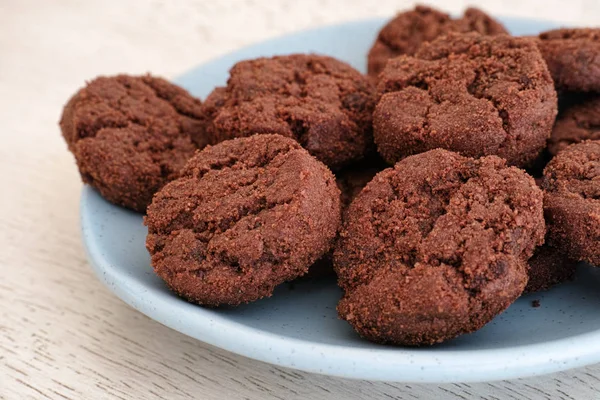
x=477 y=95
x=408 y=30
x=321 y=102
x=573 y=58
x=436 y=247
x=572 y=201
x=245 y=215
x=578 y=122
x=130 y=135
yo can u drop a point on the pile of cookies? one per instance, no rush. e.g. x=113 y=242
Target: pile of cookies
x=462 y=171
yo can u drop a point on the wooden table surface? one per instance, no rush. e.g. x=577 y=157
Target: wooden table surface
x=65 y=336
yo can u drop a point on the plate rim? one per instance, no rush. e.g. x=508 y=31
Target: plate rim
x=425 y=365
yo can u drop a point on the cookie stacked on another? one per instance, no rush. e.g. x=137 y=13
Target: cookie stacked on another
x=406 y=32
x=573 y=58
x=473 y=94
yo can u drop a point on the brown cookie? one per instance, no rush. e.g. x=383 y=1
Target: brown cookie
x=408 y=30
x=579 y=121
x=572 y=201
x=245 y=215
x=130 y=135
x=548 y=267
x=323 y=103
x=436 y=247
x=477 y=95
x=573 y=57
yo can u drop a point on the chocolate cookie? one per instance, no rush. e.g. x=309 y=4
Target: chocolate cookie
x=130 y=135
x=436 y=247
x=323 y=103
x=573 y=57
x=548 y=267
x=408 y=30
x=572 y=201
x=477 y=95
x=578 y=122
x=245 y=215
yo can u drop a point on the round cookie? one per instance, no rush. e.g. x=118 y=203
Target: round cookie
x=408 y=30
x=473 y=94
x=130 y=135
x=548 y=267
x=323 y=103
x=573 y=57
x=436 y=247
x=578 y=122
x=245 y=215
x=572 y=201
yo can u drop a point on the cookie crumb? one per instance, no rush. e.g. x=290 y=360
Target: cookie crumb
x=535 y=303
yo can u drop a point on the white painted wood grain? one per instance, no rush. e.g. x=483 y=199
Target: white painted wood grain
x=62 y=334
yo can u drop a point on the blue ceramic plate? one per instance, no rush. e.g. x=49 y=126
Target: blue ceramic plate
x=298 y=326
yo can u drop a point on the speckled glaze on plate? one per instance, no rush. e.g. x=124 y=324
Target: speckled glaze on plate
x=298 y=327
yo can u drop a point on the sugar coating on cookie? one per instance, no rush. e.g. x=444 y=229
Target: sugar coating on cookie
x=473 y=94
x=579 y=121
x=436 y=247
x=408 y=30
x=323 y=103
x=245 y=215
x=572 y=201
x=130 y=135
x=573 y=57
